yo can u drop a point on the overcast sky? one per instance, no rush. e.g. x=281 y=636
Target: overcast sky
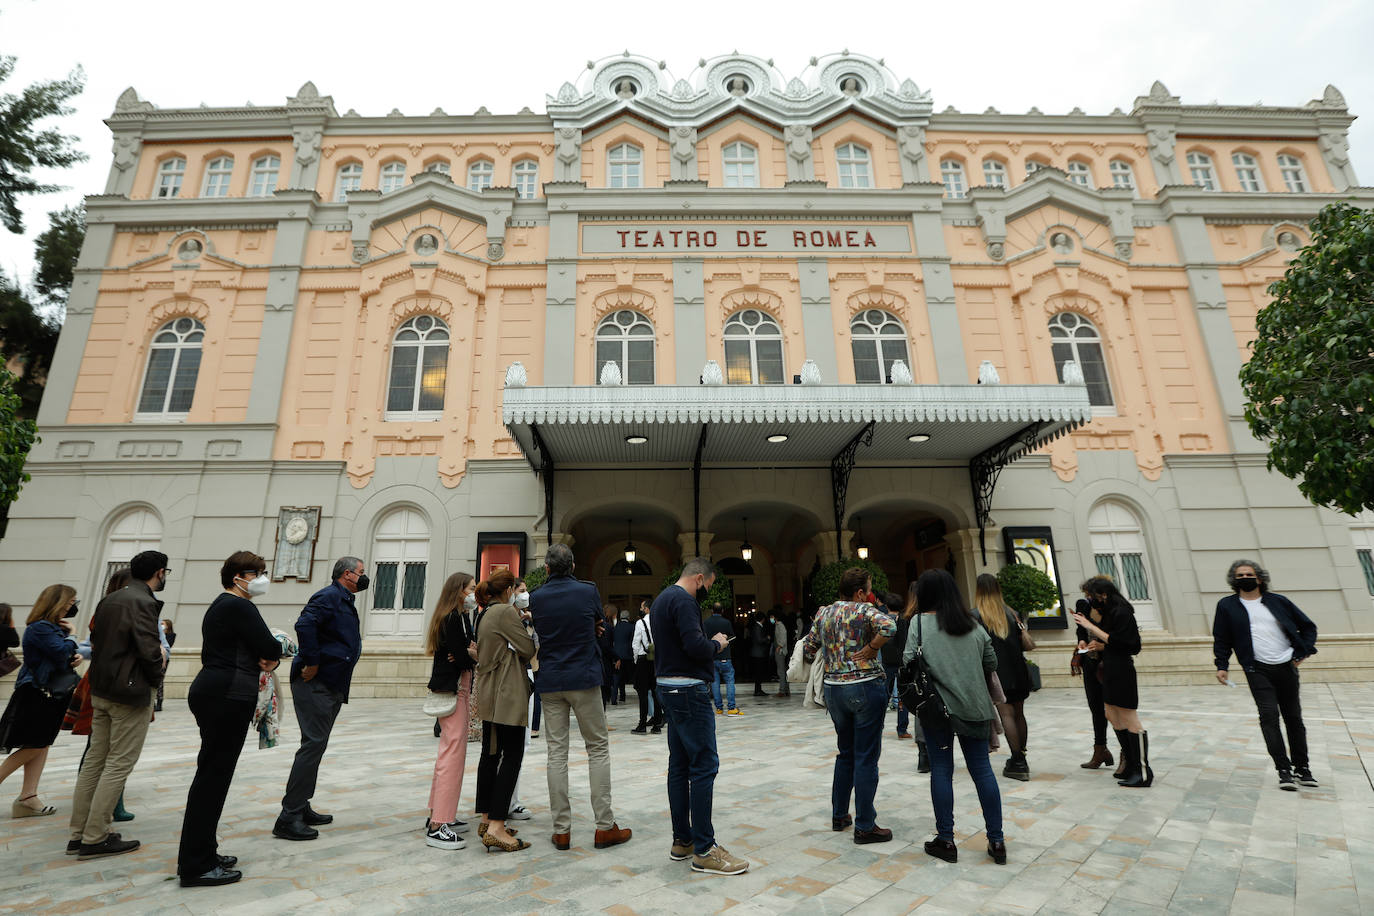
x=505 y=55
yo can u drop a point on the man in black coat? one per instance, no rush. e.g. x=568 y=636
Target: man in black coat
x=1270 y=637
x=624 y=651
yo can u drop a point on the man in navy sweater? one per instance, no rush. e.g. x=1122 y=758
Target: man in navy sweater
x=684 y=661
x=1270 y=637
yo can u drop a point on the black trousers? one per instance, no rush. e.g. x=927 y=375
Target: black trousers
x=223 y=726
x=1092 y=688
x=316 y=709
x=759 y=665
x=646 y=686
x=503 y=750
x=1275 y=689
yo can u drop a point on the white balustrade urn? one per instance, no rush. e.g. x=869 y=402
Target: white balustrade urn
x=987 y=373
x=711 y=374
x=1073 y=373
x=516 y=377
x=901 y=375
x=610 y=373
x=810 y=373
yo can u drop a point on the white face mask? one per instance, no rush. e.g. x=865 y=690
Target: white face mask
x=256 y=588
x=521 y=601
x=469 y=603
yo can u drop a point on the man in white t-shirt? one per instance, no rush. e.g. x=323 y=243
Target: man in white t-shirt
x=1270 y=637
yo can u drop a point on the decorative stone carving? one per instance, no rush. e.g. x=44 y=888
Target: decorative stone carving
x=1288 y=241
x=795 y=88
x=799 y=165
x=610 y=373
x=901 y=375
x=298 y=530
x=987 y=373
x=567 y=93
x=1159 y=92
x=911 y=139
x=1073 y=373
x=516 y=377
x=568 y=160
x=810 y=373
x=129 y=101
x=682 y=90
x=1124 y=250
x=359 y=254
x=996 y=251
x=307 y=142
x=496 y=251
x=711 y=374
x=684 y=146
x=1162 y=140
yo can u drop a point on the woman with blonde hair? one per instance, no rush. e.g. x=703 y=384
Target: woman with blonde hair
x=34 y=714
x=1009 y=642
x=450 y=641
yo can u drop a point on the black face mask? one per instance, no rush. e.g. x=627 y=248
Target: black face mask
x=362 y=583
x=72 y=611
x=1097 y=601
x=1247 y=584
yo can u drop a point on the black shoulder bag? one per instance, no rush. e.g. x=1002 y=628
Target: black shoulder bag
x=916 y=688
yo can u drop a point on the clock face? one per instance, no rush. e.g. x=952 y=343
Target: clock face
x=297 y=529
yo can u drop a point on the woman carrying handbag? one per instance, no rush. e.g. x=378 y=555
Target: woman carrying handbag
x=1010 y=642
x=450 y=641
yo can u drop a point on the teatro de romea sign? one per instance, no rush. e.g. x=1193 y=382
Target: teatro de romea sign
x=734 y=238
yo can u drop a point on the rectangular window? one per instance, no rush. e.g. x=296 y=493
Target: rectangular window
x=737 y=364
x=403 y=363
x=1367 y=565
x=770 y=362
x=1106 y=565
x=1133 y=570
x=1094 y=370
x=413 y=587
x=384 y=589
x=607 y=351
x=867 y=370
x=156 y=382
x=433 y=376
x=640 y=370
x=184 y=384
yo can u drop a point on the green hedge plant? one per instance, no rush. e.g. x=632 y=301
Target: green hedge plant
x=1027 y=590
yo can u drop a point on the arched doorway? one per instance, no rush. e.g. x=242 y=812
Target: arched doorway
x=599 y=539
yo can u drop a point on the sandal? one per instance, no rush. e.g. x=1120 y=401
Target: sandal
x=19 y=809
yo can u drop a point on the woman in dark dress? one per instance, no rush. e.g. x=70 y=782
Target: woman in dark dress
x=1120 y=639
x=1009 y=642
x=236 y=646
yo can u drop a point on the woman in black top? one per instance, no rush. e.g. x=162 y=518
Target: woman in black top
x=1120 y=639
x=1089 y=664
x=236 y=647
x=451 y=641
x=1009 y=643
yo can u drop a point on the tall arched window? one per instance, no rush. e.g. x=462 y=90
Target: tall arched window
x=169 y=176
x=419 y=370
x=217 y=176
x=1034 y=165
x=1247 y=172
x=877 y=338
x=626 y=338
x=952 y=176
x=1290 y=167
x=1073 y=337
x=264 y=177
x=525 y=177
x=1119 y=551
x=169 y=382
x=393 y=177
x=625 y=166
x=350 y=179
x=1362 y=533
x=753 y=349
x=994 y=173
x=438 y=165
x=400 y=559
x=1080 y=174
x=741 y=163
x=1123 y=176
x=1200 y=170
x=134 y=532
x=853 y=164
x=481 y=172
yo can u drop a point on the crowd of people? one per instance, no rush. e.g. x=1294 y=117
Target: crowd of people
x=502 y=652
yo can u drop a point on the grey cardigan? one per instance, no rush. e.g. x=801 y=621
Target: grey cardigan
x=960 y=665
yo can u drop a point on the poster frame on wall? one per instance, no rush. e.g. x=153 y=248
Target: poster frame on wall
x=1058 y=620
x=517 y=539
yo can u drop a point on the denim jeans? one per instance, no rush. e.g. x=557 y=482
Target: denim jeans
x=940 y=746
x=725 y=670
x=903 y=717
x=692 y=762
x=857 y=711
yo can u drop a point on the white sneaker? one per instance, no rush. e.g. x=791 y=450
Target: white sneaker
x=518 y=813
x=441 y=837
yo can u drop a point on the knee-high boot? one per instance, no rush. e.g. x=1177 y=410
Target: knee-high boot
x=1121 y=757
x=1143 y=775
x=1130 y=755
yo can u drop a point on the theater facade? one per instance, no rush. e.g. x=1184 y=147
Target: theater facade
x=771 y=319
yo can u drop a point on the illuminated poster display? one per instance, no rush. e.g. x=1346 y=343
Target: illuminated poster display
x=497 y=550
x=1035 y=547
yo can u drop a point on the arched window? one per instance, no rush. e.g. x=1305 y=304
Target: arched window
x=1034 y=165
x=1362 y=533
x=626 y=338
x=217 y=176
x=169 y=382
x=419 y=370
x=481 y=172
x=952 y=176
x=525 y=177
x=753 y=349
x=1200 y=170
x=134 y=532
x=438 y=165
x=877 y=338
x=1119 y=551
x=1247 y=172
x=852 y=162
x=393 y=177
x=741 y=162
x=350 y=179
x=625 y=166
x=1290 y=167
x=1123 y=176
x=1073 y=337
x=400 y=559
x=1080 y=174
x=264 y=177
x=169 y=176
x=994 y=173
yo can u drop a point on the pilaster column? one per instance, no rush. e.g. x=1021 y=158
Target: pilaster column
x=279 y=312
x=71 y=341
x=826 y=545
x=818 y=323
x=951 y=362
x=560 y=300
x=968 y=555
x=689 y=319
x=688 y=541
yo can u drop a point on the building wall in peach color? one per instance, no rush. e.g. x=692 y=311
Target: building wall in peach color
x=420 y=152
x=198 y=155
x=1014 y=151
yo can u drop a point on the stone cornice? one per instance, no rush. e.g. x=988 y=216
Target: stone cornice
x=284 y=205
x=1260 y=207
x=694 y=199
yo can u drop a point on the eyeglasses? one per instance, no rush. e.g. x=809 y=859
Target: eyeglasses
x=167 y=569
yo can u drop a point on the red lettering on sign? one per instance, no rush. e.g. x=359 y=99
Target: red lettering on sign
x=833 y=238
x=849 y=238
x=675 y=233
x=759 y=241
x=693 y=238
x=798 y=238
x=708 y=238
x=817 y=238
x=639 y=239
x=624 y=234
x=868 y=240
x=658 y=239
x=742 y=238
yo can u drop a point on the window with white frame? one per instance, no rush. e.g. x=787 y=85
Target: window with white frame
x=525 y=177
x=350 y=179
x=132 y=533
x=994 y=173
x=625 y=166
x=741 y=161
x=400 y=562
x=481 y=173
x=853 y=163
x=753 y=349
x=217 y=177
x=438 y=165
x=393 y=177
x=1080 y=174
x=1033 y=166
x=1200 y=171
x=952 y=177
x=1123 y=176
x=263 y=180
x=1119 y=551
x=419 y=370
x=626 y=338
x=1290 y=167
x=877 y=339
x=1073 y=337
x=1362 y=533
x=1247 y=172
x=169 y=381
x=169 y=176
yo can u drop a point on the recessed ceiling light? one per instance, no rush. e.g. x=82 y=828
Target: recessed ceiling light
x=636 y=440
x=918 y=437
x=777 y=437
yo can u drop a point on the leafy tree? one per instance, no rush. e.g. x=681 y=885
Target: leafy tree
x=1310 y=377
x=17 y=436
x=825 y=582
x=56 y=250
x=536 y=577
x=1027 y=589
x=27 y=338
x=722 y=590
x=24 y=146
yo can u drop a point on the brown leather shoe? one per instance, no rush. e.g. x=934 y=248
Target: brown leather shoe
x=563 y=840
x=612 y=837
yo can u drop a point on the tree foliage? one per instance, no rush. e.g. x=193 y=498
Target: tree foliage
x=56 y=250
x=536 y=576
x=27 y=338
x=25 y=146
x=825 y=582
x=17 y=436
x=722 y=590
x=1310 y=377
x=1027 y=589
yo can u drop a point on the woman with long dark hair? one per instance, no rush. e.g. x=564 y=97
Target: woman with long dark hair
x=449 y=640
x=960 y=656
x=908 y=614
x=1120 y=637
x=1007 y=633
x=1089 y=665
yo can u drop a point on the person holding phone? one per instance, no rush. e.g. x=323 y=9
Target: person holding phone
x=1120 y=638
x=725 y=668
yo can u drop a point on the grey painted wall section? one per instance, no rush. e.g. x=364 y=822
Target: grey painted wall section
x=951 y=363
x=76 y=328
x=818 y=329
x=278 y=320
x=689 y=320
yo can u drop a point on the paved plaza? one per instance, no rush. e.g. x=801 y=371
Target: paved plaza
x=1214 y=834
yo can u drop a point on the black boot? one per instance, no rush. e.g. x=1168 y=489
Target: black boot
x=1122 y=763
x=1130 y=749
x=1017 y=767
x=922 y=758
x=1143 y=775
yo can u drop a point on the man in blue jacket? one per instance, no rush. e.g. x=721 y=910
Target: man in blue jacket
x=1270 y=637
x=329 y=642
x=567 y=620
